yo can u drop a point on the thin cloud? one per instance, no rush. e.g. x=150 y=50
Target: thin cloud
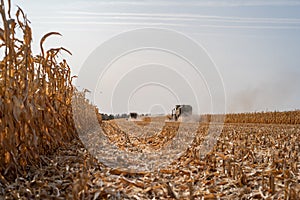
x=187 y=17
x=251 y=27
x=167 y=24
x=203 y=3
x=110 y=23
x=173 y=20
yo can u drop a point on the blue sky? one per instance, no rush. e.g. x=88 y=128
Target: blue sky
x=255 y=44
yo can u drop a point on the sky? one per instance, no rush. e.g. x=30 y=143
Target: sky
x=254 y=47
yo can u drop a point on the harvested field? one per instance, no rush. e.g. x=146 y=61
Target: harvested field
x=256 y=155
x=250 y=161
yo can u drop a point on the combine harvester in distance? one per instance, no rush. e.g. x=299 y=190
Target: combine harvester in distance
x=181 y=113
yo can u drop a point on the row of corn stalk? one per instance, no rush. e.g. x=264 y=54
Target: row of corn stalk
x=276 y=117
x=35 y=98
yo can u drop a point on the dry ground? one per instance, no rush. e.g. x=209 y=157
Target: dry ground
x=249 y=161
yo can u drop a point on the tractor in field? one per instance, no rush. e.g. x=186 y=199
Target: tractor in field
x=133 y=115
x=180 y=112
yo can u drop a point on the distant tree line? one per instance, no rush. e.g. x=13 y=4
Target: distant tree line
x=118 y=116
x=107 y=117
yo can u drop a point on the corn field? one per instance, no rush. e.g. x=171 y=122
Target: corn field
x=257 y=155
x=276 y=117
x=35 y=98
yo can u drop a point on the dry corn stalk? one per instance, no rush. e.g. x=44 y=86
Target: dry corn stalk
x=287 y=117
x=35 y=97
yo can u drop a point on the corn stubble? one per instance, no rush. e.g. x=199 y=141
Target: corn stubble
x=41 y=156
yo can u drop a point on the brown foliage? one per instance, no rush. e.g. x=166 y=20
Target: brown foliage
x=35 y=98
x=276 y=117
